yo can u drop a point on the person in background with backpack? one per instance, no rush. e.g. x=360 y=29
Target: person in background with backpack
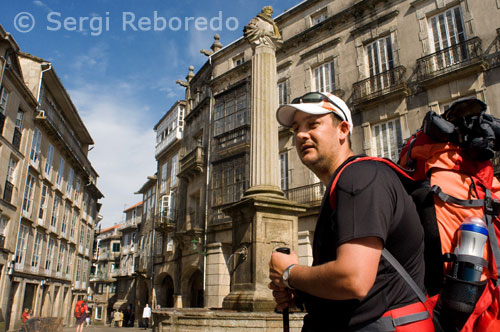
x=81 y=311
x=351 y=286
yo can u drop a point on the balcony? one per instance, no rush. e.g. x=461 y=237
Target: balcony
x=100 y=276
x=58 y=127
x=381 y=85
x=7 y=191
x=192 y=162
x=306 y=194
x=168 y=141
x=457 y=60
x=16 y=138
x=166 y=222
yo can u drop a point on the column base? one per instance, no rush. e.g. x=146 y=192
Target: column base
x=266 y=190
x=252 y=301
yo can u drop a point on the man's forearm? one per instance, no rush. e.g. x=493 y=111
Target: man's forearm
x=351 y=276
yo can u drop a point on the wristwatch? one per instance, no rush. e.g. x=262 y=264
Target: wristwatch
x=286 y=276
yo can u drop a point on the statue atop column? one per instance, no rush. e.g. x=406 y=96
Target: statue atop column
x=262 y=30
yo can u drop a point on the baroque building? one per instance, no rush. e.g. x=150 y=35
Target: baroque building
x=49 y=206
x=390 y=60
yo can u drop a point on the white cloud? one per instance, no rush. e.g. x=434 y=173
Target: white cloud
x=123 y=155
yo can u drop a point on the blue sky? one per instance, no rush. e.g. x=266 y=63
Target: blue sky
x=120 y=68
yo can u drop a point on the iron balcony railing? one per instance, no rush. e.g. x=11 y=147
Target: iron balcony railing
x=449 y=59
x=306 y=194
x=380 y=84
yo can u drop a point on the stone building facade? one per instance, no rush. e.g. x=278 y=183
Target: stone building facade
x=103 y=282
x=391 y=61
x=49 y=204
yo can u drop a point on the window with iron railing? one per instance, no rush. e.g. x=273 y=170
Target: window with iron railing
x=447 y=29
x=387 y=139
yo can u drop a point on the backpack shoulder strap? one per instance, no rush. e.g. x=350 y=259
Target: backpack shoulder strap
x=401 y=270
x=399 y=171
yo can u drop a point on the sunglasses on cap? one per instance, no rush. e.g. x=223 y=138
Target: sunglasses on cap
x=317 y=97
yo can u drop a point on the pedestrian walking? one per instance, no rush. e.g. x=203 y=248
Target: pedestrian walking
x=146 y=316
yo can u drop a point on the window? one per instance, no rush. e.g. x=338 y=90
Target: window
x=55 y=212
x=380 y=60
x=65 y=219
x=89 y=232
x=163 y=183
x=37 y=248
x=60 y=257
x=229 y=181
x=69 y=260
x=22 y=245
x=319 y=16
x=77 y=189
x=60 y=172
x=387 y=139
x=10 y=180
x=28 y=194
x=98 y=312
x=116 y=247
x=447 y=29
x=100 y=288
x=238 y=60
x=20 y=119
x=230 y=112
x=49 y=257
x=69 y=185
x=82 y=234
x=3 y=226
x=112 y=288
x=324 y=77
x=159 y=244
x=4 y=95
x=173 y=176
x=78 y=269
x=43 y=203
x=73 y=225
x=48 y=162
x=282 y=98
x=35 y=146
x=284 y=170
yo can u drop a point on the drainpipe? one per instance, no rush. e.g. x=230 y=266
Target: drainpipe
x=12 y=268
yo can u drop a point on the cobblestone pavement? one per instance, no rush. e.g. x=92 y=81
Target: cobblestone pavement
x=100 y=328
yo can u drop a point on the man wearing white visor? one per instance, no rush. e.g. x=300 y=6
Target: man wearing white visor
x=350 y=286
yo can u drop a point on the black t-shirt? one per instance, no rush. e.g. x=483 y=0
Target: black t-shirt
x=370 y=201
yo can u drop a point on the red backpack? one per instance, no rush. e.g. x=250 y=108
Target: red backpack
x=446 y=167
x=79 y=309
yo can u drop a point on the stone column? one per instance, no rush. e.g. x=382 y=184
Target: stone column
x=263 y=35
x=263 y=219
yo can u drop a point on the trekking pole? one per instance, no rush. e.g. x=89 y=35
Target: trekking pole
x=286 y=311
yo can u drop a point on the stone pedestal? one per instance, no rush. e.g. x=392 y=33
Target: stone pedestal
x=202 y=320
x=260 y=224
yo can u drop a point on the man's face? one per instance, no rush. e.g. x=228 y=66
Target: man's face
x=315 y=139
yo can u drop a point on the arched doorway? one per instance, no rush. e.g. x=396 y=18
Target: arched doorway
x=166 y=293
x=196 y=290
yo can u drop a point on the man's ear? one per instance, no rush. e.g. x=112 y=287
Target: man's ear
x=344 y=130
